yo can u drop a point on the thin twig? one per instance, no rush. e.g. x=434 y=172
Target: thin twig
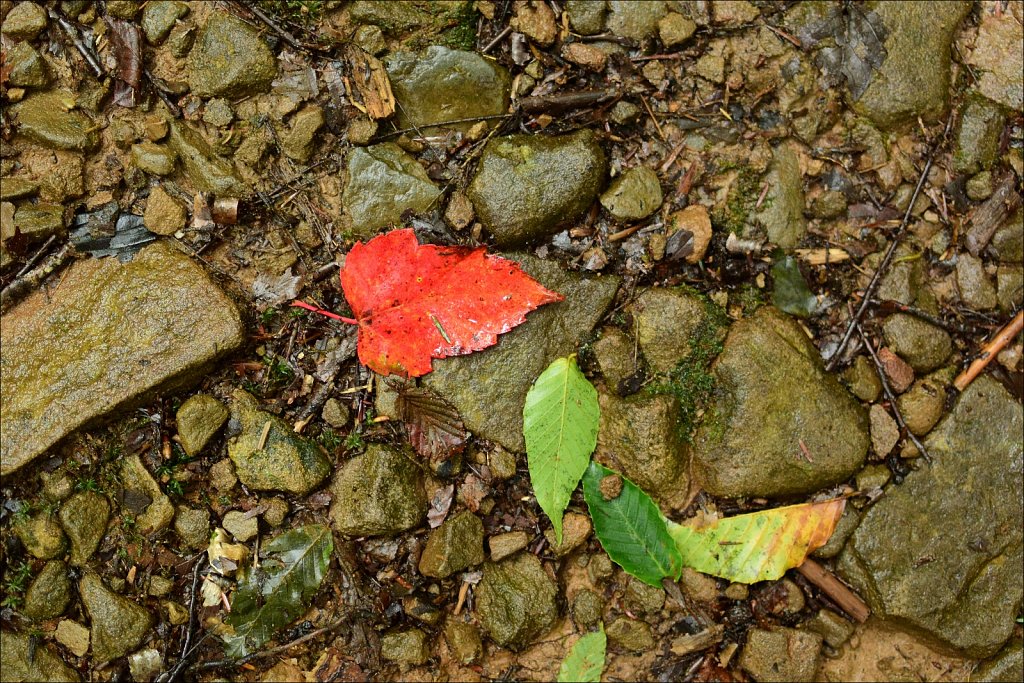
x=990 y=350
x=471 y=119
x=205 y=666
x=162 y=94
x=76 y=39
x=889 y=254
x=287 y=37
x=849 y=601
x=35 y=257
x=497 y=39
x=890 y=395
x=21 y=286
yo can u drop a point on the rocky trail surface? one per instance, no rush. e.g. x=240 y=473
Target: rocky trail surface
x=789 y=245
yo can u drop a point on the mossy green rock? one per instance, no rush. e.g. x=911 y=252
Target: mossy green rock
x=229 y=59
x=137 y=480
x=117 y=625
x=634 y=195
x=441 y=85
x=274 y=458
x=923 y=345
x=630 y=634
x=977 y=139
x=297 y=141
x=587 y=608
x=640 y=435
x=406 y=647
x=772 y=393
x=207 y=171
x=463 y=640
x=528 y=185
x=379 y=493
x=455 y=545
x=50 y=592
x=45 y=119
x=39 y=221
x=669 y=321
x=393 y=17
x=24 y=22
x=153 y=158
x=383 y=183
x=193 y=526
x=634 y=20
x=914 y=78
x=614 y=353
x=41 y=535
x=515 y=601
x=782 y=213
x=781 y=654
x=15 y=187
x=27 y=69
x=1005 y=667
x=489 y=387
x=586 y=16
x=23 y=658
x=110 y=336
x=198 y=420
x=941 y=554
x=158 y=17
x=84 y=517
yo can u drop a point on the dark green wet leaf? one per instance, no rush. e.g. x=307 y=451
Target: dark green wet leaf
x=291 y=569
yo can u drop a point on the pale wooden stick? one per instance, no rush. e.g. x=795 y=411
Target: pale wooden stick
x=1002 y=338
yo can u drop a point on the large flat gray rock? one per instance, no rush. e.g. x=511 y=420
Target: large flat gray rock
x=107 y=337
x=941 y=553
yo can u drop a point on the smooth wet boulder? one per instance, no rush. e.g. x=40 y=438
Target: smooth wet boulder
x=117 y=625
x=25 y=21
x=159 y=17
x=913 y=79
x=998 y=59
x=455 y=545
x=772 y=394
x=27 y=68
x=489 y=387
x=781 y=654
x=229 y=59
x=207 y=171
x=977 y=137
x=640 y=435
x=407 y=647
x=110 y=336
x=268 y=454
x=383 y=183
x=941 y=553
x=24 y=658
x=634 y=20
x=527 y=185
x=379 y=493
x=198 y=419
x=49 y=593
x=441 y=84
x=48 y=119
x=515 y=601
x=297 y=141
x=153 y=158
x=923 y=345
x=84 y=517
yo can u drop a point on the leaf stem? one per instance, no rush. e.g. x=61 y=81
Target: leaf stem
x=321 y=311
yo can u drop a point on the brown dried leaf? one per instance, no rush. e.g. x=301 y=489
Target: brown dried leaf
x=439 y=505
x=126 y=39
x=435 y=429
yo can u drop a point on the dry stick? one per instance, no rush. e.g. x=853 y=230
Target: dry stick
x=835 y=589
x=877 y=277
x=35 y=257
x=990 y=350
x=21 y=286
x=471 y=119
x=497 y=39
x=83 y=50
x=890 y=396
x=287 y=37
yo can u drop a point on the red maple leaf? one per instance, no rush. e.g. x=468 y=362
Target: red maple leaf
x=416 y=302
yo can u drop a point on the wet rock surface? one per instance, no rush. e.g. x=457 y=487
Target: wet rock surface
x=84 y=517
x=516 y=601
x=962 y=597
x=383 y=182
x=455 y=545
x=379 y=493
x=441 y=85
x=106 y=362
x=229 y=59
x=21 y=660
x=50 y=592
x=47 y=119
x=268 y=455
x=199 y=419
x=117 y=624
x=747 y=444
x=527 y=185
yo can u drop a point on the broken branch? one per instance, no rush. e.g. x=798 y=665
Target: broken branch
x=990 y=350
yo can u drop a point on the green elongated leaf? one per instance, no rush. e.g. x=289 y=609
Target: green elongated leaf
x=560 y=420
x=759 y=546
x=791 y=293
x=276 y=593
x=585 y=660
x=630 y=526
